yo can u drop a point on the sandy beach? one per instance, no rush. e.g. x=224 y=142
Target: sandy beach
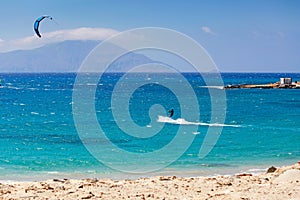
x=283 y=183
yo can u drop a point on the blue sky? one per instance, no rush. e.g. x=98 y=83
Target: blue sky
x=239 y=35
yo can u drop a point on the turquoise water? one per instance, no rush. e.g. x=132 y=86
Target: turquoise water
x=39 y=140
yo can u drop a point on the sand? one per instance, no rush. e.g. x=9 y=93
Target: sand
x=284 y=183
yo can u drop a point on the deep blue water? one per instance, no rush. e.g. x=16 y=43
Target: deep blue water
x=39 y=139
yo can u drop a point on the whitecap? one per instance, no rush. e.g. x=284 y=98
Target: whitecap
x=33 y=89
x=15 y=88
x=48 y=122
x=34 y=113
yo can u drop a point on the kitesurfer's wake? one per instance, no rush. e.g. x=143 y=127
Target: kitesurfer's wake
x=181 y=121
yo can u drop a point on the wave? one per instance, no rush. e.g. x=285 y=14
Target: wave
x=181 y=121
x=12 y=87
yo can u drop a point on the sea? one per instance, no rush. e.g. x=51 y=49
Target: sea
x=46 y=133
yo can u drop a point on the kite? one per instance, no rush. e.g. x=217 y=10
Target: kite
x=37 y=24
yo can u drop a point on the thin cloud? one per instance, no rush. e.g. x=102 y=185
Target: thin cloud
x=32 y=42
x=268 y=35
x=207 y=30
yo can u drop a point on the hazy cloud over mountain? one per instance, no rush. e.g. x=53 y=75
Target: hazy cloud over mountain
x=33 y=41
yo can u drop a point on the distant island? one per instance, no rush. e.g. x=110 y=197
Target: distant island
x=285 y=83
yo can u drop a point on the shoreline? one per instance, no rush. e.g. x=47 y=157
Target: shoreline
x=283 y=183
x=207 y=171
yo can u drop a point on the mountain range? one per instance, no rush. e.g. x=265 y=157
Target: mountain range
x=65 y=56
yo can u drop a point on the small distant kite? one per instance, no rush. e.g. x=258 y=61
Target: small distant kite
x=37 y=24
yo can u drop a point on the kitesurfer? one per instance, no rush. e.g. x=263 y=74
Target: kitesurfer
x=171 y=113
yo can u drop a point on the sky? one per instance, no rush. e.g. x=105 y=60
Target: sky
x=240 y=36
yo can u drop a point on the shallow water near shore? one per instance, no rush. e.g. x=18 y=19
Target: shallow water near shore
x=39 y=140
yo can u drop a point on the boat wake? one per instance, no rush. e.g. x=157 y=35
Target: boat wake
x=181 y=121
x=212 y=87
